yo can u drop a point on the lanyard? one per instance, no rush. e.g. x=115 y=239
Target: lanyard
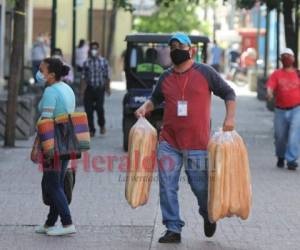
x=184 y=85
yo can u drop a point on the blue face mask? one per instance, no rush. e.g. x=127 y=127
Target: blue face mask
x=40 y=77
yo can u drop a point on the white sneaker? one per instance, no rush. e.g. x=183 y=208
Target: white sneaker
x=42 y=229
x=59 y=231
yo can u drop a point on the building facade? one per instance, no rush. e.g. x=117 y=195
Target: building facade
x=40 y=12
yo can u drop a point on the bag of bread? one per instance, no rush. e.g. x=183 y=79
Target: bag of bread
x=229 y=189
x=142 y=158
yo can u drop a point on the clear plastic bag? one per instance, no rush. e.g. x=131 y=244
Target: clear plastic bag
x=229 y=190
x=142 y=158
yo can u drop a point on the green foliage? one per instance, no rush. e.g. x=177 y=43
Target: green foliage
x=125 y=4
x=11 y=3
x=180 y=15
x=248 y=4
x=167 y=3
x=272 y=4
x=245 y=4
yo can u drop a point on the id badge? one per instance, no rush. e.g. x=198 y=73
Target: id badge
x=182 y=108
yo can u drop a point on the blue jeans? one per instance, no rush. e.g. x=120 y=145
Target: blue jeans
x=53 y=186
x=287 y=133
x=170 y=161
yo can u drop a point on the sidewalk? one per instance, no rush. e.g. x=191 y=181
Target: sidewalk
x=104 y=219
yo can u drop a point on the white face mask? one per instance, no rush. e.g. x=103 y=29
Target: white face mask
x=40 y=78
x=94 y=52
x=57 y=57
x=40 y=39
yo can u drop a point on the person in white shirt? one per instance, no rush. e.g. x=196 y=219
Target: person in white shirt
x=38 y=54
x=57 y=53
x=81 y=54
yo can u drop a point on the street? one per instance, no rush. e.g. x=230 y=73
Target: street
x=105 y=221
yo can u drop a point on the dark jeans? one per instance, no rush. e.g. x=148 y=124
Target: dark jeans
x=53 y=186
x=94 y=100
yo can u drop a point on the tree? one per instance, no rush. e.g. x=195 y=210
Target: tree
x=16 y=67
x=125 y=4
x=287 y=10
x=290 y=26
x=116 y=5
x=248 y=4
x=112 y=30
x=180 y=15
x=197 y=2
x=17 y=61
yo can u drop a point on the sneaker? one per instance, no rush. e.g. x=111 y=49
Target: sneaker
x=280 y=162
x=42 y=229
x=292 y=165
x=102 y=130
x=209 y=228
x=59 y=231
x=170 y=237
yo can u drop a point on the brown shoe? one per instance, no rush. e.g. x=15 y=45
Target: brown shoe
x=102 y=130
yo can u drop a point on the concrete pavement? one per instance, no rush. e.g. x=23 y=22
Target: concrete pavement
x=104 y=219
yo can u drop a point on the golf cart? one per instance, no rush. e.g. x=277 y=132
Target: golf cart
x=146 y=58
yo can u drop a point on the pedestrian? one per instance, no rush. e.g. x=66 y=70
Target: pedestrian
x=150 y=63
x=284 y=85
x=57 y=53
x=248 y=59
x=95 y=83
x=186 y=90
x=51 y=72
x=234 y=59
x=216 y=54
x=81 y=54
x=38 y=53
x=234 y=54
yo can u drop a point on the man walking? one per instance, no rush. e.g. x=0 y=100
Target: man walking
x=95 y=82
x=285 y=85
x=216 y=54
x=186 y=89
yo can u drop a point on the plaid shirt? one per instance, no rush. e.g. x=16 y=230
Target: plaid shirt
x=96 y=71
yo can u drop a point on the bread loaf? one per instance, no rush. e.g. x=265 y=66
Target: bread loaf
x=215 y=181
x=245 y=179
x=142 y=157
x=229 y=190
x=226 y=165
